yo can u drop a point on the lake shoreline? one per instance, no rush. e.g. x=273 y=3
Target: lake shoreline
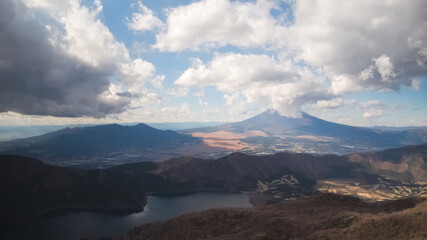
x=73 y=224
x=55 y=211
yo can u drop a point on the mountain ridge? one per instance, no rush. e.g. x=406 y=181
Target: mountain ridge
x=30 y=188
x=33 y=187
x=95 y=142
x=265 y=133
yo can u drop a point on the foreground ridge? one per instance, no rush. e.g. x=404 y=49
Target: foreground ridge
x=324 y=216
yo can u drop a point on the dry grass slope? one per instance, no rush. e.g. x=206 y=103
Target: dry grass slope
x=322 y=217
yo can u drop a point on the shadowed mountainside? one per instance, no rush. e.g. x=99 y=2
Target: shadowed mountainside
x=241 y=172
x=30 y=187
x=33 y=187
x=408 y=163
x=99 y=142
x=235 y=172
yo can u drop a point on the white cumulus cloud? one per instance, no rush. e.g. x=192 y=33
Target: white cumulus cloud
x=144 y=19
x=333 y=48
x=361 y=45
x=211 y=23
x=260 y=79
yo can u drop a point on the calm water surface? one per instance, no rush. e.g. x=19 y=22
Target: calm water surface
x=76 y=225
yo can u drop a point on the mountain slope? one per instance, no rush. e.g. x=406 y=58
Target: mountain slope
x=272 y=123
x=266 y=133
x=95 y=142
x=287 y=175
x=407 y=163
x=269 y=132
x=30 y=187
x=319 y=217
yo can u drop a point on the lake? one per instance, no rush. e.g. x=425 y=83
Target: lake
x=77 y=224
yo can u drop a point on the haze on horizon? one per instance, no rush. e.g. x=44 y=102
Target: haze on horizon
x=354 y=62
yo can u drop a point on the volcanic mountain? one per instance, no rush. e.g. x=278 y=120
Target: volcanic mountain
x=266 y=133
x=97 y=144
x=269 y=132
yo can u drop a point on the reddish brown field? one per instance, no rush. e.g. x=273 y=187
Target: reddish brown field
x=227 y=140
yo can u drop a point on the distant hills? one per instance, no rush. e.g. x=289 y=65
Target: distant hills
x=175 y=126
x=266 y=133
x=97 y=144
x=16 y=132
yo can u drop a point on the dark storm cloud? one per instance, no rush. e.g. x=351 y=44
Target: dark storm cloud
x=39 y=78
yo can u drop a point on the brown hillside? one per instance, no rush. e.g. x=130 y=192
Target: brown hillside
x=322 y=217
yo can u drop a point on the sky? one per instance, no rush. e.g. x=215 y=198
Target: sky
x=357 y=62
